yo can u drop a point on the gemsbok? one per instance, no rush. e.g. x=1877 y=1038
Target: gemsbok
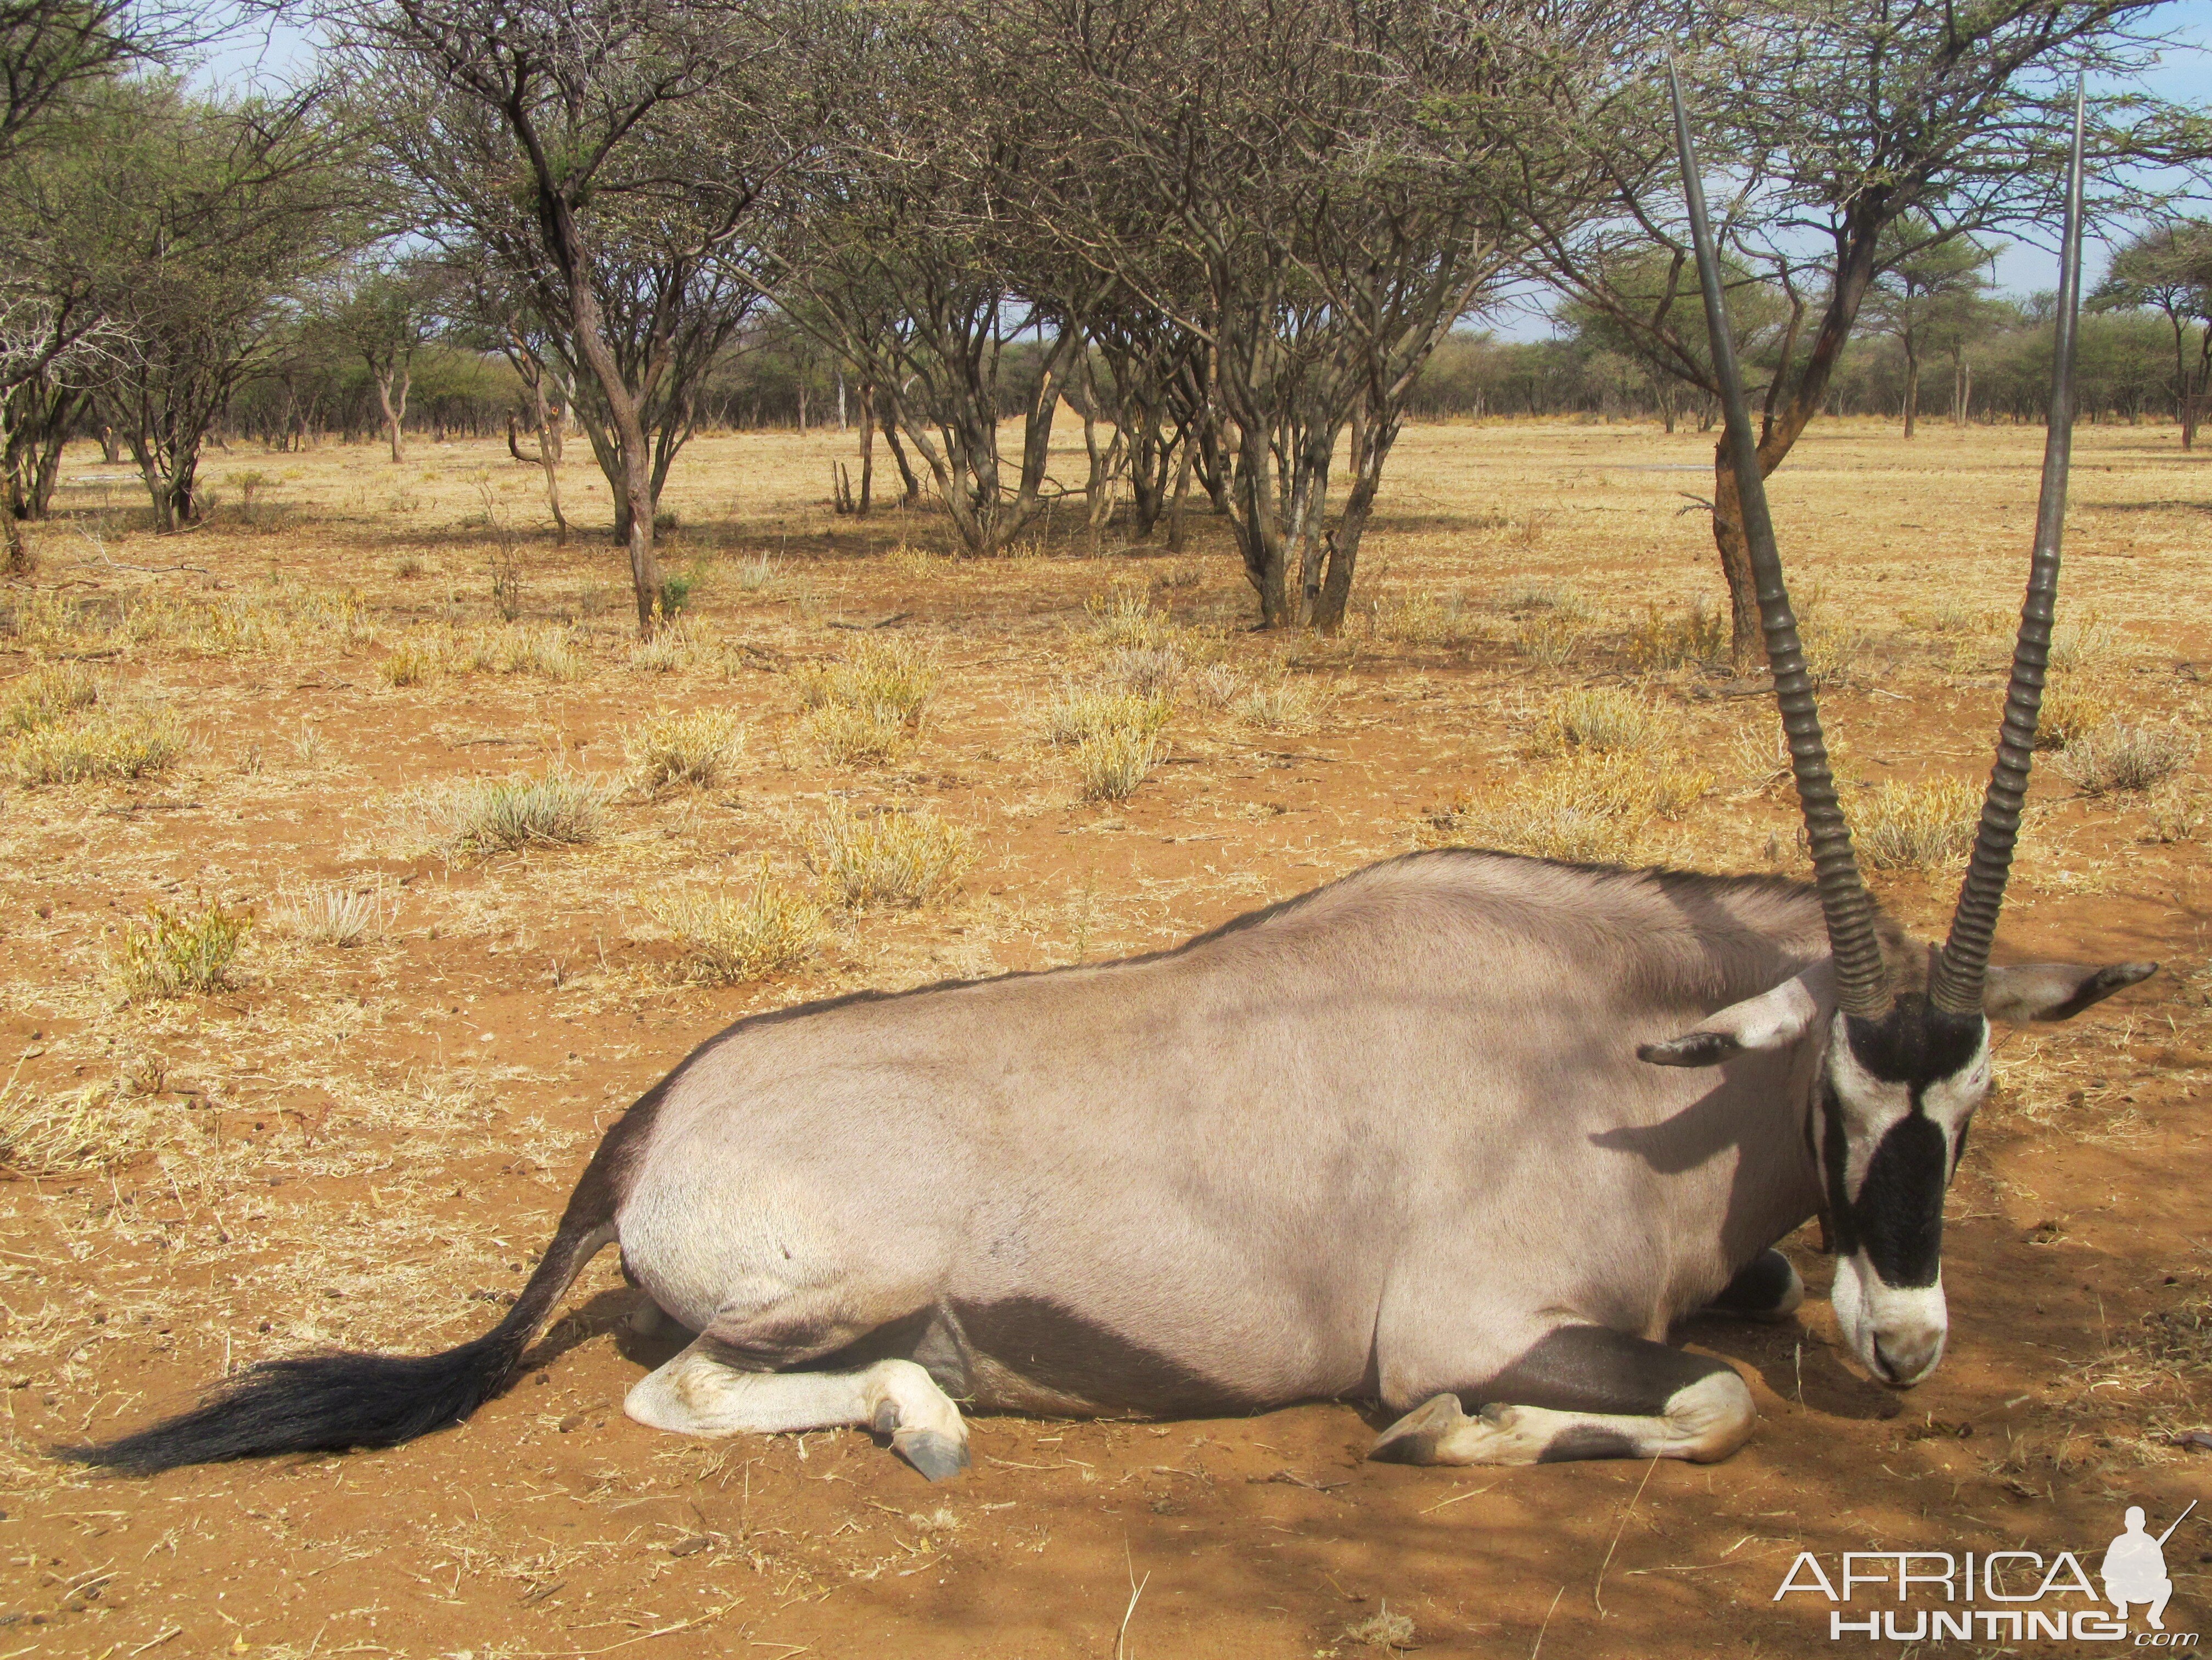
x=1462 y=1134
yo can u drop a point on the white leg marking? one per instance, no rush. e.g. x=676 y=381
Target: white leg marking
x=695 y=1394
x=1704 y=1422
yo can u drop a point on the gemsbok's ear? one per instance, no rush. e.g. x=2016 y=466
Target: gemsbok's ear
x=2054 y=991
x=1772 y=1020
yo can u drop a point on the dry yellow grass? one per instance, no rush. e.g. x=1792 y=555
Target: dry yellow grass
x=479 y=817
x=99 y=743
x=2072 y=708
x=728 y=939
x=2118 y=756
x=45 y=1136
x=1425 y=619
x=1924 y=826
x=49 y=694
x=894 y=860
x=1592 y=807
x=866 y=708
x=697 y=747
x=1603 y=720
x=1076 y=714
x=1695 y=632
x=332 y=914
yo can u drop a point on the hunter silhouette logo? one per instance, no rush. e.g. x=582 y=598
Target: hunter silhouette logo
x=1995 y=1595
x=2135 y=1567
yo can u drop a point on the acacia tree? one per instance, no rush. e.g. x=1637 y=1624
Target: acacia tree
x=54 y=52
x=217 y=213
x=1649 y=281
x=908 y=258
x=1314 y=192
x=383 y=313
x=1838 y=125
x=1926 y=300
x=608 y=155
x=55 y=56
x=2168 y=269
x=55 y=340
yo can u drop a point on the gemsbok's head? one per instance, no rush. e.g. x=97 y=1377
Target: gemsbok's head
x=1905 y=1057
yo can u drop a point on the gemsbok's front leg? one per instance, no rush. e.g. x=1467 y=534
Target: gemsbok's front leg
x=700 y=1392
x=1581 y=1392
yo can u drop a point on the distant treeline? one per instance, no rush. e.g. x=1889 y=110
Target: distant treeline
x=775 y=379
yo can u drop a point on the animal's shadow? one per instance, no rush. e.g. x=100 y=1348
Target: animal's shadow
x=605 y=1311
x=1797 y=1362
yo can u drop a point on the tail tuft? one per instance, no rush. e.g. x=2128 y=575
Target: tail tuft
x=317 y=1403
x=331 y=1402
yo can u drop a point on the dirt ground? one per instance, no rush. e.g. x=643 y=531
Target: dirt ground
x=367 y=1144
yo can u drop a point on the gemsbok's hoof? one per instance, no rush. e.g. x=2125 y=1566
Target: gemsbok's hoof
x=1417 y=1437
x=938 y=1457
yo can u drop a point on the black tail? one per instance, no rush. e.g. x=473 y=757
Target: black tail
x=330 y=1402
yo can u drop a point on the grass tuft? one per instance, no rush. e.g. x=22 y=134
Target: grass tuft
x=866 y=708
x=697 y=749
x=2081 y=645
x=1148 y=671
x=2117 y=757
x=725 y=939
x=174 y=953
x=47 y=1137
x=1111 y=765
x=1591 y=808
x=1425 y=619
x=2176 y=816
x=1603 y=720
x=1550 y=636
x=1280 y=704
x=2070 y=712
x=332 y=915
x=1215 y=687
x=106 y=743
x=1126 y=619
x=671 y=651
x=410 y=663
x=1921 y=826
x=48 y=695
x=484 y=816
x=1698 y=632
x=1076 y=714
x=854 y=738
x=890 y=860
x=893 y=679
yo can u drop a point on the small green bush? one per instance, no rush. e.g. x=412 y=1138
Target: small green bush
x=176 y=952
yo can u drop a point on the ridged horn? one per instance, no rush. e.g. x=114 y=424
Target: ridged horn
x=1862 y=988
x=1956 y=985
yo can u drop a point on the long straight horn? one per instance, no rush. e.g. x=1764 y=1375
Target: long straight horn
x=1956 y=985
x=1861 y=988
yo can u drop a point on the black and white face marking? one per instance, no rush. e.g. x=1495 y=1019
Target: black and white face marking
x=1895 y=1097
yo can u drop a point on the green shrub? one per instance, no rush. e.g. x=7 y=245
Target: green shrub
x=175 y=952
